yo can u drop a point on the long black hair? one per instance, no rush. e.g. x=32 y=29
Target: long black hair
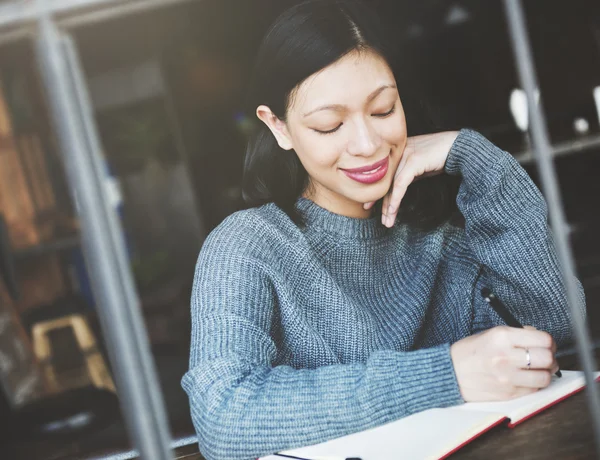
x=303 y=40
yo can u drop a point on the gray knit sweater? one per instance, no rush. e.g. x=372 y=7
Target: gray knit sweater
x=303 y=335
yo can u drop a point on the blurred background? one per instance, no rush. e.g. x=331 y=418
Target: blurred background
x=166 y=81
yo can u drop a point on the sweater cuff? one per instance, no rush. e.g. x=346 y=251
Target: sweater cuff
x=477 y=160
x=427 y=377
x=471 y=151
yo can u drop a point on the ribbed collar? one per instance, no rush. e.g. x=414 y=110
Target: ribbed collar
x=317 y=217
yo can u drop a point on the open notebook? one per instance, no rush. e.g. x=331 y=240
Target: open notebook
x=437 y=433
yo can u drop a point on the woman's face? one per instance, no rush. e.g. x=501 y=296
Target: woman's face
x=347 y=126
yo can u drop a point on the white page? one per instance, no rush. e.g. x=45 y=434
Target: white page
x=519 y=408
x=425 y=435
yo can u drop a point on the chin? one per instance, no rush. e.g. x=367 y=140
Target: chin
x=379 y=191
x=374 y=197
x=367 y=198
x=374 y=192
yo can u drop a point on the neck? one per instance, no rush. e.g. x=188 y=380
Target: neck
x=317 y=219
x=338 y=205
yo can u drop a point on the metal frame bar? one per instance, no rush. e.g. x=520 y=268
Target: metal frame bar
x=542 y=150
x=132 y=453
x=18 y=20
x=563 y=149
x=15 y=34
x=121 y=10
x=119 y=310
x=19 y=13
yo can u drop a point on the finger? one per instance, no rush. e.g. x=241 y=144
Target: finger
x=400 y=186
x=527 y=338
x=404 y=159
x=385 y=203
x=532 y=328
x=388 y=217
x=532 y=379
x=368 y=205
x=399 y=170
x=404 y=176
x=540 y=358
x=384 y=209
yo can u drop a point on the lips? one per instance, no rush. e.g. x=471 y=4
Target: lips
x=369 y=168
x=369 y=174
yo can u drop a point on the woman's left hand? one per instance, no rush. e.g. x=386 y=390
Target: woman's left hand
x=423 y=156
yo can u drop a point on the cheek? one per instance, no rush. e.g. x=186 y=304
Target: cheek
x=318 y=151
x=394 y=131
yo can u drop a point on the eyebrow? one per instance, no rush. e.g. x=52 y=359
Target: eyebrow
x=338 y=107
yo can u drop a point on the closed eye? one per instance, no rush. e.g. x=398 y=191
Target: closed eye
x=378 y=115
x=386 y=114
x=329 y=131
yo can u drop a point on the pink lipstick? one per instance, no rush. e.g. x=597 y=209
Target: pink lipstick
x=369 y=174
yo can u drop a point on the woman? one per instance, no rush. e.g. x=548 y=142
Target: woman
x=315 y=317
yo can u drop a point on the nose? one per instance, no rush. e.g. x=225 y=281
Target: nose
x=364 y=139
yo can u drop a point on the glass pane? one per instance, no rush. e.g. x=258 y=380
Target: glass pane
x=168 y=91
x=69 y=405
x=55 y=377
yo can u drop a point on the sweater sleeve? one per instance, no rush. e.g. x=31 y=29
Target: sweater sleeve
x=243 y=406
x=507 y=231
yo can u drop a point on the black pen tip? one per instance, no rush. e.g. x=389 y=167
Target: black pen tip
x=558 y=373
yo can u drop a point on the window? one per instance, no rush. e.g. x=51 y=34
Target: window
x=122 y=138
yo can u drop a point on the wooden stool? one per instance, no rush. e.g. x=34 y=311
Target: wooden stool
x=70 y=358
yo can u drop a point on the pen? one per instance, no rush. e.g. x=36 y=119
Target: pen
x=317 y=458
x=503 y=312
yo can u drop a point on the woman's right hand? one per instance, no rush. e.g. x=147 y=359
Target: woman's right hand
x=492 y=365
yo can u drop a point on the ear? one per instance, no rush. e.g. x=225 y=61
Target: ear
x=277 y=127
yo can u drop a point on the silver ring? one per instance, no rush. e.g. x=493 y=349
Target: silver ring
x=528 y=358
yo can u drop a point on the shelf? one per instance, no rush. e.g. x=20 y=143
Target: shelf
x=59 y=244
x=562 y=149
